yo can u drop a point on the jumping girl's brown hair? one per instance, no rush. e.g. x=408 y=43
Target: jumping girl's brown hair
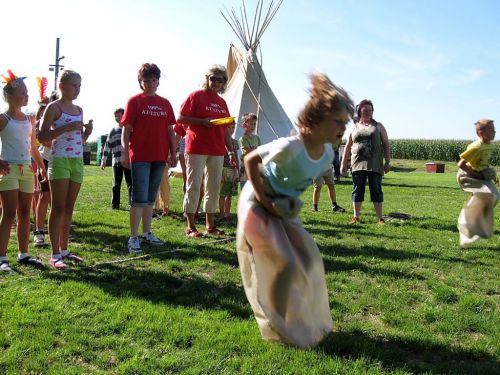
x=325 y=98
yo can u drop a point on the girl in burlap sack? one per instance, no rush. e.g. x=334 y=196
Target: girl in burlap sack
x=281 y=266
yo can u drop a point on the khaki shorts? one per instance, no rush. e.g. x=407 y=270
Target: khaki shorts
x=325 y=178
x=66 y=169
x=20 y=178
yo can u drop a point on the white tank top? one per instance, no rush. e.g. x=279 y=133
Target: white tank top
x=46 y=152
x=68 y=144
x=15 y=141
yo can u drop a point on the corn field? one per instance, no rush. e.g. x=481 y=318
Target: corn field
x=435 y=150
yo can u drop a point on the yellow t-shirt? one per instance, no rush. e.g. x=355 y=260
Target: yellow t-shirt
x=477 y=155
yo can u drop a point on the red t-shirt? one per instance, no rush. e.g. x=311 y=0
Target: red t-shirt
x=200 y=139
x=179 y=129
x=150 y=117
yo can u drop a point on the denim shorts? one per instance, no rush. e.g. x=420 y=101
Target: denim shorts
x=146 y=179
x=374 y=182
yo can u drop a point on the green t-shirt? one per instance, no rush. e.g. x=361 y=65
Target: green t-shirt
x=251 y=142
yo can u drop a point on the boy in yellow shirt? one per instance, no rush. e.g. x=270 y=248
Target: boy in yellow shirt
x=477 y=177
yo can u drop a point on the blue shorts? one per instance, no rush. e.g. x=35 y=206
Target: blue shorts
x=374 y=183
x=146 y=179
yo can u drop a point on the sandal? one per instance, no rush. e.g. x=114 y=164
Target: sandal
x=215 y=231
x=193 y=233
x=30 y=261
x=354 y=220
x=57 y=263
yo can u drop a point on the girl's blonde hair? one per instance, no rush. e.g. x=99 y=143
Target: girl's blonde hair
x=325 y=99
x=68 y=75
x=216 y=69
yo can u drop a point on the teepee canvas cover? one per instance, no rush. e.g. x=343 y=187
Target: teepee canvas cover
x=247 y=89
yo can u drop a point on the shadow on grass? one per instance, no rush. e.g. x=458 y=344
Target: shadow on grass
x=336 y=230
x=346 y=230
x=405 y=354
x=167 y=287
x=213 y=252
x=315 y=227
x=433 y=187
x=403 y=170
x=389 y=254
x=333 y=264
x=114 y=237
x=93 y=236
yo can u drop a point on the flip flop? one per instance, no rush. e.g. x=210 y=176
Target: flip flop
x=193 y=233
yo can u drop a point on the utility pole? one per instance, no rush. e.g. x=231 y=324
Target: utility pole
x=56 y=67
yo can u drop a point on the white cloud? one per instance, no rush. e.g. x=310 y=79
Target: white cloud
x=491 y=101
x=470 y=75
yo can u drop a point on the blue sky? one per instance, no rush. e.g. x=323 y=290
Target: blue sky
x=430 y=67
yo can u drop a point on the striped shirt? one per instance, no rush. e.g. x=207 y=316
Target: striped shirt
x=113 y=144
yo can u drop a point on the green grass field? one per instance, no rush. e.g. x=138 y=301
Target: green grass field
x=404 y=297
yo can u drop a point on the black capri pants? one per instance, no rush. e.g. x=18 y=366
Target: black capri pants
x=374 y=183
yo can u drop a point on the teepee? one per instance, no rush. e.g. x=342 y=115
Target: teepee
x=247 y=89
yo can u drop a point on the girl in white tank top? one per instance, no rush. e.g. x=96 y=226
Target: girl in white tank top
x=18 y=146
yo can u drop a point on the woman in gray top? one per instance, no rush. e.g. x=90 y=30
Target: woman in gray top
x=367 y=147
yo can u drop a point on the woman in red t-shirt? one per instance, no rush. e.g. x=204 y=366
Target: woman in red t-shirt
x=206 y=145
x=148 y=142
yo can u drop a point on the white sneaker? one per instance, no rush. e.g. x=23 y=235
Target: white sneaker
x=39 y=239
x=134 y=245
x=151 y=239
x=5 y=267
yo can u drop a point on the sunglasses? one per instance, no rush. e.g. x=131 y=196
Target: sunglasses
x=216 y=79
